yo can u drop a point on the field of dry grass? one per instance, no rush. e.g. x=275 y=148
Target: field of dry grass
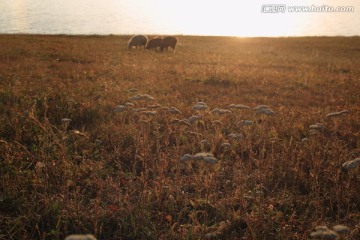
x=72 y=160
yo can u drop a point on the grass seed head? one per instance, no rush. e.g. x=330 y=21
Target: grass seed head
x=200 y=107
x=265 y=111
x=65 y=120
x=206 y=157
x=39 y=166
x=185 y=122
x=80 y=237
x=129 y=104
x=201 y=103
x=194 y=118
x=138 y=109
x=133 y=90
x=216 y=122
x=341 y=229
x=351 y=164
x=174 y=121
x=337 y=114
x=324 y=234
x=78 y=133
x=120 y=108
x=149 y=113
x=174 y=110
x=225 y=145
x=317 y=126
x=186 y=157
x=205 y=145
x=145 y=97
x=321 y=228
x=154 y=106
x=194 y=134
x=235 y=136
x=238 y=106
x=305 y=140
x=220 y=111
x=261 y=107
x=246 y=123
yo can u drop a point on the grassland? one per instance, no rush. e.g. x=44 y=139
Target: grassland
x=118 y=175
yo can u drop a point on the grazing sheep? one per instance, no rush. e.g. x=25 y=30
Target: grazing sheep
x=154 y=43
x=169 y=41
x=137 y=40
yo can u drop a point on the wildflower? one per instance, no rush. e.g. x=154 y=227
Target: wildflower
x=220 y=111
x=174 y=110
x=80 y=237
x=142 y=97
x=206 y=157
x=238 y=106
x=120 y=108
x=186 y=157
x=200 y=106
x=351 y=164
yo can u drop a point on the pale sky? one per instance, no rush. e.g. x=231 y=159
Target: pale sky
x=189 y=17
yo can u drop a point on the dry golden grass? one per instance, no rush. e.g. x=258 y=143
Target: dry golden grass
x=118 y=175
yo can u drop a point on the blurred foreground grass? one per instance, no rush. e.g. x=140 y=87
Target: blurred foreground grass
x=69 y=163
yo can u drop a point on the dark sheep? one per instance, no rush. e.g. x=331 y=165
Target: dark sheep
x=169 y=41
x=137 y=40
x=154 y=43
